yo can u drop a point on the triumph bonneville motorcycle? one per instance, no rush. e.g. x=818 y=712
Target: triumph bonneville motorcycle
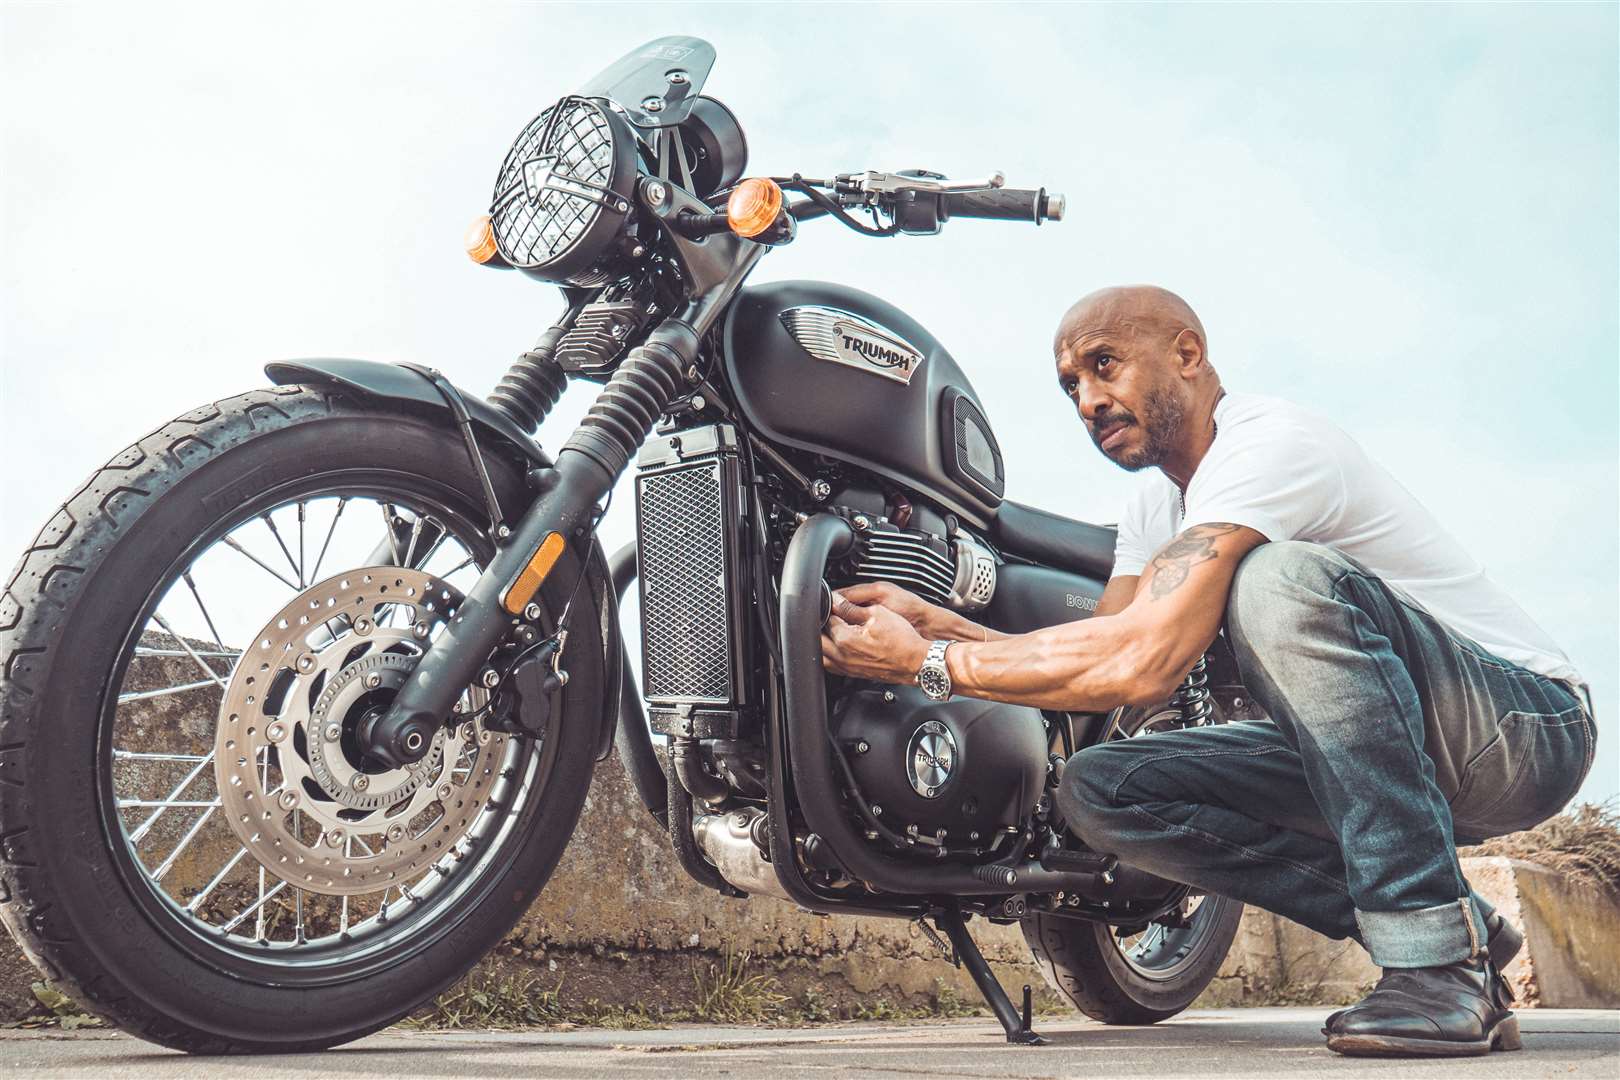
x=304 y=690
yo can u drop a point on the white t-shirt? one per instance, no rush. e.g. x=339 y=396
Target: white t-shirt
x=1290 y=474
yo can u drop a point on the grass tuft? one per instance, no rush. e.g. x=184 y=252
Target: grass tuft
x=1583 y=842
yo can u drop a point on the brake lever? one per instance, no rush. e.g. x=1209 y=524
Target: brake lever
x=872 y=183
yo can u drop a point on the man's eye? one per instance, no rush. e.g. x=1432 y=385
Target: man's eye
x=1068 y=386
x=1104 y=362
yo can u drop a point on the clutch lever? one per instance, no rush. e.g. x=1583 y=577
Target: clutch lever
x=871 y=183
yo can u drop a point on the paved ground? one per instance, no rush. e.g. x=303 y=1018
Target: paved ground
x=1235 y=1043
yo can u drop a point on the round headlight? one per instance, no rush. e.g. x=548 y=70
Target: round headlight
x=563 y=192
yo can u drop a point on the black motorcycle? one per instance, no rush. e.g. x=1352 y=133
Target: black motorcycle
x=304 y=690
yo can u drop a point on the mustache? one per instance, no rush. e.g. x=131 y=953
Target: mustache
x=1101 y=429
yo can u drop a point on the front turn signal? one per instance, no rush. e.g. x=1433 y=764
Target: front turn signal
x=480 y=240
x=754 y=206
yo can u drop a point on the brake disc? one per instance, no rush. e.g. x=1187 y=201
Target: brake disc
x=292 y=782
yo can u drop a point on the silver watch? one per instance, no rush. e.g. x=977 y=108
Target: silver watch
x=934 y=677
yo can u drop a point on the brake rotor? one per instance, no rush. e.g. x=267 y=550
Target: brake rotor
x=293 y=784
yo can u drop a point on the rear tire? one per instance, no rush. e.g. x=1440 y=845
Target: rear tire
x=67 y=893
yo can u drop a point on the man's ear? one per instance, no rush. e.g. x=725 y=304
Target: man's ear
x=1190 y=350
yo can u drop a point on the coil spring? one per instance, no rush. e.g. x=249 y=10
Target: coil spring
x=1192 y=698
x=533 y=384
x=622 y=415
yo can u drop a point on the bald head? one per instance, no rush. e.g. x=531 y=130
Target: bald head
x=1138 y=310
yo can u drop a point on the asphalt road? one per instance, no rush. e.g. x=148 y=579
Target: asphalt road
x=1235 y=1043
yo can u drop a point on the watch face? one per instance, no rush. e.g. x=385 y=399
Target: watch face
x=935 y=683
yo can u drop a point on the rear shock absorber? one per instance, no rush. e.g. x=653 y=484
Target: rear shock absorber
x=534 y=382
x=1192 y=698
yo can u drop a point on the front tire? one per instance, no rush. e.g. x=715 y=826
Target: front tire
x=73 y=890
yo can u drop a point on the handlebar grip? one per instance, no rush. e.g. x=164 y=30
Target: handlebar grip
x=1002 y=204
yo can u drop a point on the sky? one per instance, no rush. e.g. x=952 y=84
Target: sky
x=1402 y=216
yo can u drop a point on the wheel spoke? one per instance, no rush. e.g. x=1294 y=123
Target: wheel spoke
x=141 y=755
x=197 y=901
x=315 y=575
x=410 y=547
x=147 y=695
x=186 y=645
x=213 y=654
x=168 y=864
x=256 y=909
x=389 y=514
x=301 y=581
x=136 y=836
x=280 y=543
x=234 y=546
x=212 y=629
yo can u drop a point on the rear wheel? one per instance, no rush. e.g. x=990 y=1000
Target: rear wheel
x=1136 y=974
x=194 y=844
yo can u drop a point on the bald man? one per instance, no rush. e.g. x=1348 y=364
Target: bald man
x=1411 y=702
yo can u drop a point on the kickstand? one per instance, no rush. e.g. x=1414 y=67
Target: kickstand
x=1016 y=1026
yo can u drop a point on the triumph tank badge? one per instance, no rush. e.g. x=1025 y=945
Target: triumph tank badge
x=841 y=337
x=930 y=758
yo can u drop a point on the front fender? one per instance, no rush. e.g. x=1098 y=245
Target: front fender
x=402 y=386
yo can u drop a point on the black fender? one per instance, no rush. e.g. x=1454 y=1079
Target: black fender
x=402 y=386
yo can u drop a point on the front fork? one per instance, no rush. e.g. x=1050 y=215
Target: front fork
x=563 y=513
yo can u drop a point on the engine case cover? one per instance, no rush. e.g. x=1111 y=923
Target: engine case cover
x=963 y=765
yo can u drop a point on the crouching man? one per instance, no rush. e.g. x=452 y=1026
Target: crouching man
x=1413 y=705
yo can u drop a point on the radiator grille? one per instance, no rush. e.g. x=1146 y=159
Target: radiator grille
x=685 y=625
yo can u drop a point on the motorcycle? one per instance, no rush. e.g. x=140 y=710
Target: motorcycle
x=304 y=690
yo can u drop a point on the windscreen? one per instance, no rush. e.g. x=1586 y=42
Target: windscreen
x=657 y=83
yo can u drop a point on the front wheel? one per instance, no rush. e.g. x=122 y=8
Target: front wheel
x=194 y=843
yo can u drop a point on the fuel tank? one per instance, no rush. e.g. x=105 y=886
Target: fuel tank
x=839 y=372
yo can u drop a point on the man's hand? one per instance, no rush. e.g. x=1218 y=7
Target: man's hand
x=925 y=618
x=871 y=641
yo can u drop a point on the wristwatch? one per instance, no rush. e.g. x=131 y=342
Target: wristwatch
x=934 y=677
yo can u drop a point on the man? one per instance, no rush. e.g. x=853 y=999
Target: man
x=1412 y=704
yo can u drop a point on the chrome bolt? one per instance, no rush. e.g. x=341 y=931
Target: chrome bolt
x=306 y=663
x=888 y=695
x=502 y=532
x=458 y=708
x=638 y=251
x=395 y=833
x=335 y=838
x=862 y=522
x=413 y=741
x=974 y=835
x=490 y=678
x=420 y=629
x=333 y=733
x=373 y=680
x=820 y=490
x=877 y=811
x=361 y=782
x=652 y=105
x=678 y=77
x=698 y=402
x=276 y=731
x=531 y=612
x=862 y=747
x=287 y=800
x=362 y=625
x=656 y=193
x=619 y=330
x=1108 y=877
x=693 y=374
x=444 y=792
x=1011 y=877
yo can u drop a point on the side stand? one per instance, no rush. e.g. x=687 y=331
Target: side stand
x=964 y=951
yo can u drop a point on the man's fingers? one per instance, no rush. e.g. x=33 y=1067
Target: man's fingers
x=843 y=608
x=870 y=592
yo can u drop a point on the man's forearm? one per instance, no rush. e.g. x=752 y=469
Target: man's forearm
x=1086 y=666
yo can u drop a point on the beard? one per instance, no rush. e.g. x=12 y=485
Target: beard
x=1160 y=419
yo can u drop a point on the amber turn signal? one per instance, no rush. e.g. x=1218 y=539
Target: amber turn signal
x=754 y=206
x=480 y=240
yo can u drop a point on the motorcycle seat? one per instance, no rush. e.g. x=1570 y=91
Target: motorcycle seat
x=1054 y=540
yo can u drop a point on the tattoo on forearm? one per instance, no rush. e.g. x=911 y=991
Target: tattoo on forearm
x=1174 y=562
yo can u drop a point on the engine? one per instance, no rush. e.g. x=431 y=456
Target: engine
x=954 y=774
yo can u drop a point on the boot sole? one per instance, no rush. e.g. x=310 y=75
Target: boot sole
x=1503 y=1036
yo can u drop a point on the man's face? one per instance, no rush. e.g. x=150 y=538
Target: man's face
x=1124 y=383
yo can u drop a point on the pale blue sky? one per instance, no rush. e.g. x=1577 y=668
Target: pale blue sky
x=1404 y=216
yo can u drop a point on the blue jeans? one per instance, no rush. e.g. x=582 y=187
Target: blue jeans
x=1390 y=740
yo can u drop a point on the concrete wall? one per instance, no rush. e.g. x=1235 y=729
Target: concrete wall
x=620 y=922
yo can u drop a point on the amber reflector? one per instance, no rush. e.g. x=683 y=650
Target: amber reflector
x=480 y=240
x=753 y=206
x=528 y=582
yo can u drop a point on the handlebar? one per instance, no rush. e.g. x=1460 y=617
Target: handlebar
x=1002 y=204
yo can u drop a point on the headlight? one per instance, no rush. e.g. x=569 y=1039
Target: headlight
x=563 y=193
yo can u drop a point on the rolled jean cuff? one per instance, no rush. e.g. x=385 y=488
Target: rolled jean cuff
x=1427 y=937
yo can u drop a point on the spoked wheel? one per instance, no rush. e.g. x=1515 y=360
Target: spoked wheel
x=199 y=845
x=1144 y=973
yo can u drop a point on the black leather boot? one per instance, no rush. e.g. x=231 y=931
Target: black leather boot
x=1503 y=941
x=1453 y=1010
